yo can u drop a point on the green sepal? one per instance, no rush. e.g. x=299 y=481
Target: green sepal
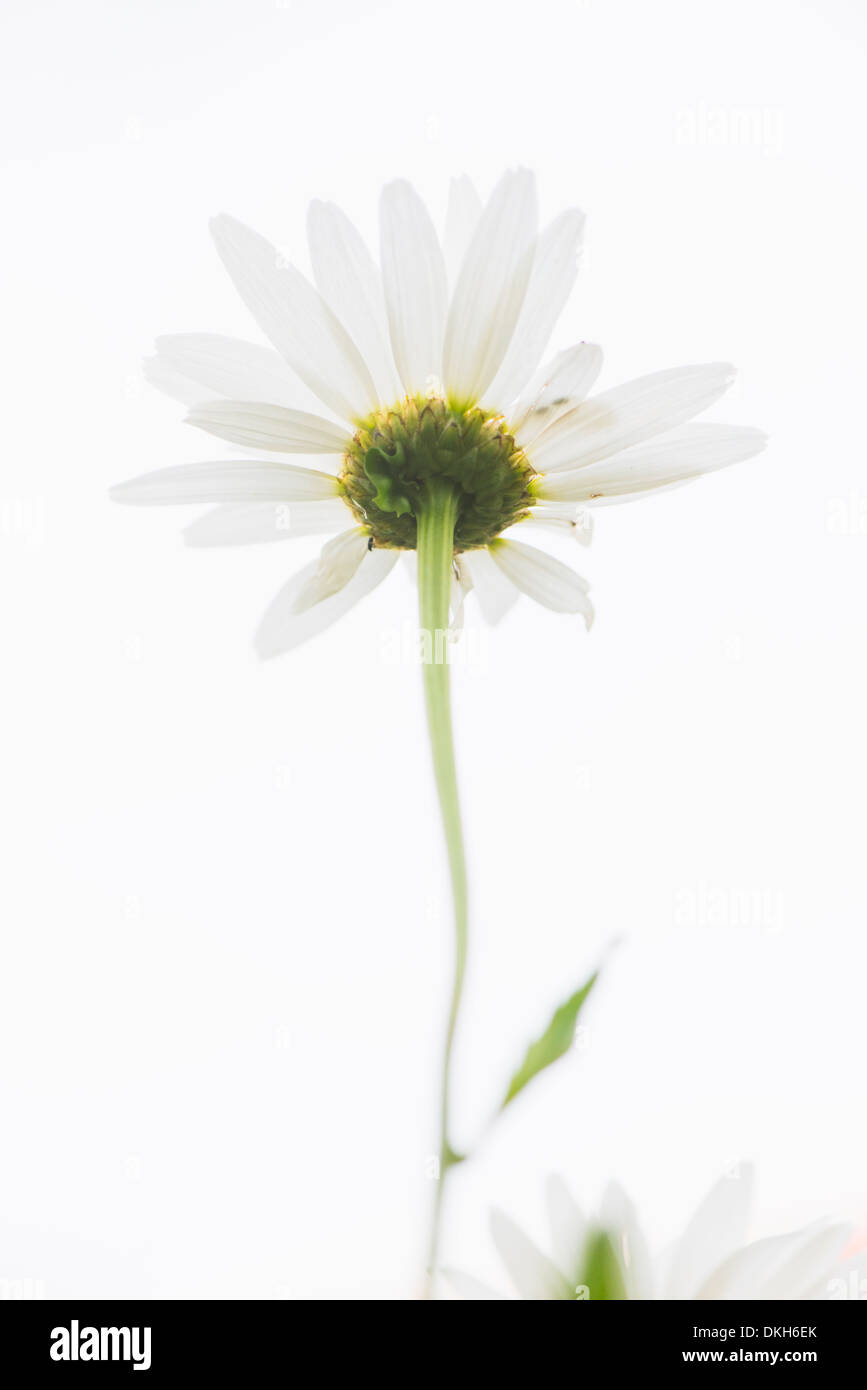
x=601 y=1272
x=389 y=496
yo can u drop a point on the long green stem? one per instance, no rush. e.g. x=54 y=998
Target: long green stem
x=436 y=527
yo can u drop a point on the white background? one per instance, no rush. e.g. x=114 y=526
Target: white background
x=225 y=931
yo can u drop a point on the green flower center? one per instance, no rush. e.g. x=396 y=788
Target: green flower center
x=396 y=452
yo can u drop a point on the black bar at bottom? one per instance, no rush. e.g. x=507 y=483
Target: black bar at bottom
x=239 y=1341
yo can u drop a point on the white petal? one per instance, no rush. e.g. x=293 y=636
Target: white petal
x=687 y=453
x=462 y=217
x=628 y=415
x=282 y=628
x=543 y=578
x=790 y=1266
x=491 y=288
x=253 y=523
x=338 y=560
x=555 y=270
x=470 y=1289
x=532 y=1273
x=841 y=1280
x=618 y=501
x=812 y=1260
x=259 y=426
x=573 y=521
x=560 y=385
x=568 y=1227
x=296 y=319
x=619 y=1218
x=717 y=1228
x=409 y=564
x=349 y=281
x=195 y=366
x=462 y=583
x=173 y=383
x=227 y=482
x=742 y=1273
x=495 y=593
x=414 y=280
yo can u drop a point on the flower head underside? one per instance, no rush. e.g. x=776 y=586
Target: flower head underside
x=425 y=367
x=396 y=453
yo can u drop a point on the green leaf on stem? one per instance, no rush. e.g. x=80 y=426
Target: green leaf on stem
x=554 y=1042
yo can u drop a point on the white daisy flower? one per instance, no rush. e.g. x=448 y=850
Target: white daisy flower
x=436 y=431
x=426 y=369
x=608 y=1257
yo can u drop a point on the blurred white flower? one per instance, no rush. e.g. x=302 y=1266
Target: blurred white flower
x=424 y=366
x=608 y=1258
